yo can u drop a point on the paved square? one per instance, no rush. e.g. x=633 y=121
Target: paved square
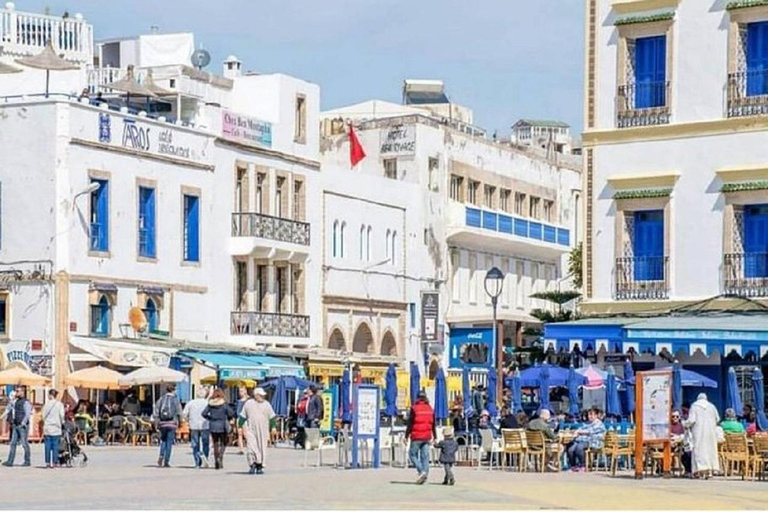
x=125 y=477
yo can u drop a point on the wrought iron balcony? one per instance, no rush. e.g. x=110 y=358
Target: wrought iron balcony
x=256 y=323
x=746 y=274
x=642 y=104
x=747 y=93
x=272 y=228
x=642 y=278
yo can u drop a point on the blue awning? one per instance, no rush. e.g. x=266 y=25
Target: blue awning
x=233 y=366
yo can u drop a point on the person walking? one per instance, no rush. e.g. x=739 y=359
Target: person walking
x=167 y=415
x=421 y=431
x=301 y=419
x=315 y=408
x=255 y=417
x=448 y=448
x=242 y=397
x=702 y=421
x=218 y=413
x=18 y=413
x=53 y=421
x=199 y=436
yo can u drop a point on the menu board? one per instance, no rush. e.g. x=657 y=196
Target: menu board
x=657 y=406
x=367 y=413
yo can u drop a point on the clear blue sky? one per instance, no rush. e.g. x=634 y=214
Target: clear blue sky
x=506 y=59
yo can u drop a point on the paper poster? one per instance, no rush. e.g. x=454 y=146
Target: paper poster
x=327 y=421
x=367 y=411
x=656 y=407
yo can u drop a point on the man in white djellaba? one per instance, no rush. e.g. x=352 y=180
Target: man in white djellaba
x=702 y=422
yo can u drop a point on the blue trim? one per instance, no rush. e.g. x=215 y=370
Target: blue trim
x=100 y=216
x=490 y=221
x=505 y=224
x=147 y=223
x=757 y=58
x=535 y=230
x=563 y=236
x=550 y=234
x=521 y=227
x=474 y=218
x=191 y=228
x=650 y=71
x=356 y=436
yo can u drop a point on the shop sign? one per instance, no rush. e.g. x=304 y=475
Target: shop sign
x=471 y=347
x=245 y=129
x=430 y=310
x=242 y=374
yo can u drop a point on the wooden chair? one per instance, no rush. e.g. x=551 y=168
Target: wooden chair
x=142 y=431
x=514 y=445
x=115 y=430
x=737 y=455
x=761 y=453
x=182 y=433
x=594 y=455
x=537 y=449
x=653 y=458
x=614 y=449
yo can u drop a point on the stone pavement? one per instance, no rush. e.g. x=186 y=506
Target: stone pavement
x=125 y=477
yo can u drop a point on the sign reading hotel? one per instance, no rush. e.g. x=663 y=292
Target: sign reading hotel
x=398 y=141
x=249 y=130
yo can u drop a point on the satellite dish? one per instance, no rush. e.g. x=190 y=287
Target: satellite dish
x=137 y=319
x=201 y=58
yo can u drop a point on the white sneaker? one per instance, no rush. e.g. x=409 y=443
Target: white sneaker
x=204 y=459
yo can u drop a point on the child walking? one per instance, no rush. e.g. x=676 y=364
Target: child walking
x=448 y=448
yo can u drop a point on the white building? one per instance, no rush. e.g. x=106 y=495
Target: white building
x=192 y=206
x=543 y=134
x=445 y=205
x=675 y=166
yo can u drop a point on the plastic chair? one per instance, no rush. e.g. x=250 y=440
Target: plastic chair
x=488 y=445
x=317 y=442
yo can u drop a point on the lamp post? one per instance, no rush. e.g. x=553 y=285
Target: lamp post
x=494 y=282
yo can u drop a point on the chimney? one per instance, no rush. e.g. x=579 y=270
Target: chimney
x=233 y=67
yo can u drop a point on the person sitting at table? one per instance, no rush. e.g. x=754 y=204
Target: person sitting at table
x=522 y=419
x=676 y=427
x=508 y=420
x=83 y=419
x=131 y=406
x=588 y=437
x=541 y=424
x=730 y=424
x=752 y=426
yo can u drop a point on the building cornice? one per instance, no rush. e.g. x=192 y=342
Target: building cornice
x=138 y=283
x=629 y=6
x=743 y=173
x=643 y=180
x=251 y=148
x=342 y=301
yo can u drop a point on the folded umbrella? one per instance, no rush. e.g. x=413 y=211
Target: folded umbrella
x=732 y=397
x=415 y=383
x=544 y=387
x=759 y=395
x=629 y=382
x=441 y=397
x=573 y=392
x=612 y=405
x=490 y=403
x=391 y=391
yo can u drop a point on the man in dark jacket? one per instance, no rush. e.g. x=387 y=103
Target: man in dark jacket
x=315 y=412
x=421 y=431
x=168 y=416
x=18 y=413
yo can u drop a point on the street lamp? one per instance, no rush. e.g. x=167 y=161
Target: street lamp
x=494 y=282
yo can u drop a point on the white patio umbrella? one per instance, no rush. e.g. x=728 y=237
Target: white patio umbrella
x=49 y=61
x=151 y=375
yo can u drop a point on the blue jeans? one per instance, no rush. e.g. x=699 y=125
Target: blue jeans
x=167 y=437
x=577 y=454
x=196 y=438
x=19 y=435
x=51 y=450
x=419 y=456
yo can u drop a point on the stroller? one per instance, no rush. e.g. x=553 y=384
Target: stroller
x=70 y=453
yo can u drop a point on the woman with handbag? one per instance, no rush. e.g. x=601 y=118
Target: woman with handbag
x=218 y=413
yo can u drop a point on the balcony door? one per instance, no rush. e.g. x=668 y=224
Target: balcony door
x=756 y=240
x=648 y=245
x=757 y=58
x=650 y=71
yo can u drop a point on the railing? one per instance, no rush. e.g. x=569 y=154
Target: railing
x=746 y=274
x=272 y=228
x=146 y=243
x=642 y=278
x=27 y=34
x=269 y=324
x=510 y=225
x=747 y=93
x=98 y=78
x=642 y=104
x=99 y=240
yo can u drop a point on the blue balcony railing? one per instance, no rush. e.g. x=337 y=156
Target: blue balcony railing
x=510 y=225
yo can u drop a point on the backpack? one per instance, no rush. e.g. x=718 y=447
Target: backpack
x=18 y=411
x=167 y=408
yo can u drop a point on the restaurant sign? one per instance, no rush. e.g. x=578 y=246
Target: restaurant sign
x=245 y=129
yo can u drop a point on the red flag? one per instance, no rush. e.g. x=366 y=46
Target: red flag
x=356 y=151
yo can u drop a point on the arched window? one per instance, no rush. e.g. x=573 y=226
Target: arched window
x=152 y=316
x=362 y=243
x=388 y=254
x=342 y=243
x=363 y=340
x=336 y=341
x=393 y=256
x=335 y=241
x=368 y=244
x=101 y=317
x=388 y=345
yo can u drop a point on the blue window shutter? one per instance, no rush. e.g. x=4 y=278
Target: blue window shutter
x=757 y=58
x=101 y=228
x=756 y=241
x=192 y=228
x=650 y=71
x=151 y=223
x=648 y=245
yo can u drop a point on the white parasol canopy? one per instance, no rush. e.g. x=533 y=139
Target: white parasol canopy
x=152 y=375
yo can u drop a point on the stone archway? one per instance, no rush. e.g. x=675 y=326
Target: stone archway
x=388 y=345
x=336 y=340
x=363 y=340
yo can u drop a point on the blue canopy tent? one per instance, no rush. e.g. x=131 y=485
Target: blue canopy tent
x=677 y=387
x=290 y=382
x=612 y=403
x=558 y=376
x=345 y=392
x=517 y=393
x=441 y=397
x=573 y=392
x=490 y=403
x=544 y=387
x=280 y=399
x=732 y=397
x=391 y=391
x=415 y=383
x=691 y=379
x=629 y=383
x=759 y=396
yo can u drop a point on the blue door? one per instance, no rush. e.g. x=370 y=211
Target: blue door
x=150 y=311
x=757 y=58
x=756 y=240
x=147 y=222
x=650 y=71
x=648 y=245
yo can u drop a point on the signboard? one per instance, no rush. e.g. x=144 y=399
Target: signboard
x=471 y=347
x=245 y=129
x=430 y=309
x=242 y=374
x=330 y=399
x=653 y=396
x=398 y=141
x=366 y=420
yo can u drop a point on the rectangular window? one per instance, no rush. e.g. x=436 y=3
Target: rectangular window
x=520 y=274
x=549 y=207
x=650 y=72
x=262 y=275
x=241 y=293
x=101 y=317
x=490 y=197
x=433 y=168
x=390 y=168
x=412 y=314
x=474 y=187
x=241 y=190
x=260 y=177
x=4 y=315
x=191 y=228
x=100 y=216
x=300 y=130
x=504 y=200
x=456 y=183
x=756 y=241
x=282 y=289
x=520 y=204
x=757 y=58
x=298 y=200
x=279 y=212
x=648 y=245
x=456 y=280
x=533 y=211
x=147 y=247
